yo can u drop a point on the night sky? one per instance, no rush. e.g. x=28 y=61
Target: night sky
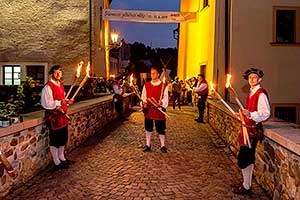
x=151 y=34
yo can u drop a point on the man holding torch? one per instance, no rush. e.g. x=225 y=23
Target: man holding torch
x=155 y=97
x=119 y=90
x=55 y=104
x=257 y=110
x=202 y=91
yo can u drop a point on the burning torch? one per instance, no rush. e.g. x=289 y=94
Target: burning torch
x=134 y=89
x=83 y=81
x=228 y=85
x=244 y=129
x=77 y=75
x=218 y=96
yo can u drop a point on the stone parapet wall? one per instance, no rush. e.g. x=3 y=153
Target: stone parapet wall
x=277 y=166
x=26 y=145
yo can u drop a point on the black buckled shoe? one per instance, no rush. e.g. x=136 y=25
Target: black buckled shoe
x=164 y=149
x=147 y=148
x=68 y=162
x=241 y=190
x=61 y=166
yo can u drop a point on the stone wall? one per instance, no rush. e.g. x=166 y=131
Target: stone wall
x=26 y=144
x=52 y=32
x=277 y=166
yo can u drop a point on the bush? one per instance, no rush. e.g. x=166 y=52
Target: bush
x=24 y=98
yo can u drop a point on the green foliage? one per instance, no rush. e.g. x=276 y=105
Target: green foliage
x=30 y=94
x=25 y=99
x=3 y=109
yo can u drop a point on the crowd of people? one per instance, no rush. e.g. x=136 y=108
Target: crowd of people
x=191 y=91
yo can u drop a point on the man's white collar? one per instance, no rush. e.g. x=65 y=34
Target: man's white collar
x=54 y=82
x=156 y=83
x=254 y=89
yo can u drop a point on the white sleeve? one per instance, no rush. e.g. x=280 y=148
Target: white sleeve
x=263 y=109
x=117 y=90
x=144 y=94
x=47 y=100
x=202 y=87
x=165 y=99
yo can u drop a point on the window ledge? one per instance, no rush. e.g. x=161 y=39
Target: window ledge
x=285 y=44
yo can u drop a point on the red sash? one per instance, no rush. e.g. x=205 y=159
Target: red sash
x=205 y=91
x=153 y=91
x=251 y=105
x=58 y=120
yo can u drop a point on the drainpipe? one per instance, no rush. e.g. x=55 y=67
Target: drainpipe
x=91 y=57
x=227 y=40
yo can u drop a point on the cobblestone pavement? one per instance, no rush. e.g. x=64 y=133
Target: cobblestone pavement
x=197 y=166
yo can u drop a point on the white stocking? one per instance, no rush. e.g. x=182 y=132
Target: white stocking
x=246 y=177
x=162 y=140
x=61 y=153
x=54 y=153
x=251 y=167
x=148 y=138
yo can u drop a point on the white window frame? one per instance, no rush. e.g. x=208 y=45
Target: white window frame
x=23 y=69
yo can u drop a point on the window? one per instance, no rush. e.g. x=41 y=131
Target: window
x=286 y=113
x=205 y=3
x=285 y=25
x=36 y=72
x=11 y=74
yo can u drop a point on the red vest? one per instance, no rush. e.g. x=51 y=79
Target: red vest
x=251 y=105
x=59 y=94
x=153 y=91
x=205 y=91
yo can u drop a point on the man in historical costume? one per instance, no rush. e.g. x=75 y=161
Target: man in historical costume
x=257 y=110
x=202 y=91
x=176 y=92
x=119 y=91
x=136 y=100
x=155 y=91
x=55 y=104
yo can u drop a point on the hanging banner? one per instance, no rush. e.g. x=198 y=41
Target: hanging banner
x=148 y=16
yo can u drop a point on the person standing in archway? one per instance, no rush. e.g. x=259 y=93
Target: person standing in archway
x=176 y=91
x=202 y=91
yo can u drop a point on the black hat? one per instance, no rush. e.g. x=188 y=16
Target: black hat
x=53 y=68
x=156 y=68
x=202 y=75
x=258 y=72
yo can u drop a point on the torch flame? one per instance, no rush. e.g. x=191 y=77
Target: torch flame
x=164 y=79
x=79 y=69
x=131 y=79
x=228 y=81
x=212 y=86
x=88 y=70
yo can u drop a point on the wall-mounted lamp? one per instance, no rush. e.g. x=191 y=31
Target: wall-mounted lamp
x=176 y=34
x=114 y=36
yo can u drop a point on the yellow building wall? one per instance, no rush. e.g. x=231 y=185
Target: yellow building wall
x=196 y=40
